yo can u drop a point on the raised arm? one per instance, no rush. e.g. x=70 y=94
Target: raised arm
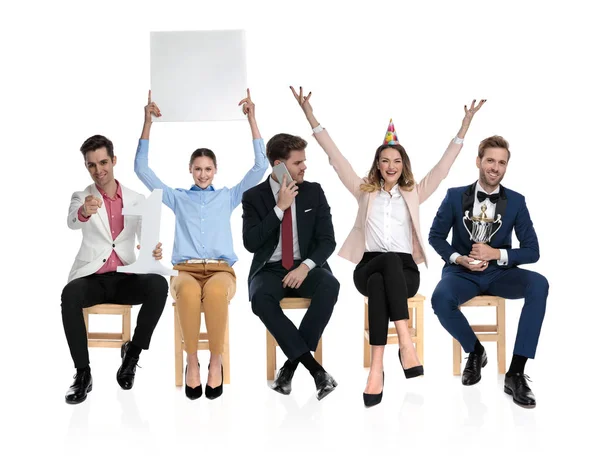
x=255 y=174
x=432 y=180
x=141 y=167
x=344 y=170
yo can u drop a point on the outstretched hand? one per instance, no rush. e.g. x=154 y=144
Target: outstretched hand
x=470 y=112
x=247 y=105
x=302 y=100
x=151 y=109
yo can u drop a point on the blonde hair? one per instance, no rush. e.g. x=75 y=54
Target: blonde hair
x=375 y=179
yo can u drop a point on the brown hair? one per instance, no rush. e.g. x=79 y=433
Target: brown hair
x=495 y=141
x=96 y=142
x=203 y=152
x=374 y=179
x=281 y=145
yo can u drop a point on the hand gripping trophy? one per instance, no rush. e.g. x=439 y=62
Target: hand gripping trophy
x=482 y=228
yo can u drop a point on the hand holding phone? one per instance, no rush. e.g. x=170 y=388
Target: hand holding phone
x=280 y=171
x=287 y=193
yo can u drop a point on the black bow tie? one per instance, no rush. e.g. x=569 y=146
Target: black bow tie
x=481 y=196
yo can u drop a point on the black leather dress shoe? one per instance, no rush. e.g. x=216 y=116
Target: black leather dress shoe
x=325 y=384
x=516 y=385
x=283 y=381
x=80 y=388
x=472 y=371
x=214 y=393
x=371 y=400
x=126 y=373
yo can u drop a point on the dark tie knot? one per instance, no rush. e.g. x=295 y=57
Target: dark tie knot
x=493 y=198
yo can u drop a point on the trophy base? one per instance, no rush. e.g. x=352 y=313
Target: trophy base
x=475 y=262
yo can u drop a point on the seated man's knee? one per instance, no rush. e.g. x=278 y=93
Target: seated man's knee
x=261 y=302
x=442 y=301
x=73 y=294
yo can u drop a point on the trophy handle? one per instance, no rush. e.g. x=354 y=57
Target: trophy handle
x=465 y=218
x=498 y=220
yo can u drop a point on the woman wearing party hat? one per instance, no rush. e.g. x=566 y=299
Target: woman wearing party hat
x=386 y=241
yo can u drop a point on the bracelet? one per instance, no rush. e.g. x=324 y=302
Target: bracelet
x=318 y=129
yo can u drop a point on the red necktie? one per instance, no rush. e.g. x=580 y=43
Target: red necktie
x=287 y=240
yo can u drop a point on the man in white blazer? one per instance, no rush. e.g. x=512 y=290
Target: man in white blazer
x=108 y=242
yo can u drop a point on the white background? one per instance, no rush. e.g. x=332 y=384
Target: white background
x=74 y=69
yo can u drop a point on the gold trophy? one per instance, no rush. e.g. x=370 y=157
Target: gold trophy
x=482 y=227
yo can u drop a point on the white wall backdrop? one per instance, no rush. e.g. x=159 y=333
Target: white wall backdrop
x=74 y=69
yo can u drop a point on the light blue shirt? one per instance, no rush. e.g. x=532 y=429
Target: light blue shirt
x=202 y=216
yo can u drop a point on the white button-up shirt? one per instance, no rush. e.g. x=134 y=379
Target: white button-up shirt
x=389 y=227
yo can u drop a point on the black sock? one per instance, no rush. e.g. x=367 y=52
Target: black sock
x=517 y=365
x=310 y=363
x=83 y=369
x=133 y=350
x=292 y=364
x=479 y=350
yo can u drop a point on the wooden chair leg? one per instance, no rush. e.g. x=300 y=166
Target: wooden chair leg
x=127 y=325
x=271 y=355
x=420 y=327
x=226 y=360
x=86 y=319
x=456 y=350
x=501 y=347
x=367 y=352
x=178 y=350
x=319 y=352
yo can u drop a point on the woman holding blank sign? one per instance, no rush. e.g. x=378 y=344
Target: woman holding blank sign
x=203 y=247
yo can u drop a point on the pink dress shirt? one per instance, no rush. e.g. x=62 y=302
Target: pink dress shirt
x=114 y=210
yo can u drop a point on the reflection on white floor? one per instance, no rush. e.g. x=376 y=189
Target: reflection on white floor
x=433 y=414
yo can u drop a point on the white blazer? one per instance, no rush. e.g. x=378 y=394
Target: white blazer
x=97 y=243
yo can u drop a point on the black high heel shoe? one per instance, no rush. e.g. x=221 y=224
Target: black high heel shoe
x=192 y=393
x=371 y=400
x=214 y=393
x=412 y=372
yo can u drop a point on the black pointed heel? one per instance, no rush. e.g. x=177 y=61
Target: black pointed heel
x=371 y=400
x=412 y=372
x=193 y=393
x=214 y=393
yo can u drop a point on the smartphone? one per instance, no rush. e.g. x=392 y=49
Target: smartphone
x=281 y=171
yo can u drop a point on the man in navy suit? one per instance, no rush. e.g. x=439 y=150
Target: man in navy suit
x=473 y=269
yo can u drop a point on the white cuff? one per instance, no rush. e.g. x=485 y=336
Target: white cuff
x=458 y=140
x=278 y=212
x=503 y=258
x=318 y=129
x=310 y=263
x=454 y=257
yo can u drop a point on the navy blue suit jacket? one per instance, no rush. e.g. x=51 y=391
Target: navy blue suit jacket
x=515 y=215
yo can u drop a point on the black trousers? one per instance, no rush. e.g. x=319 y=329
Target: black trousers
x=150 y=290
x=388 y=280
x=266 y=290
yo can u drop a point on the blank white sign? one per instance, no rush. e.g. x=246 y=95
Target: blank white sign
x=198 y=75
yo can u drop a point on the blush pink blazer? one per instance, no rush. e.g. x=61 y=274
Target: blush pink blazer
x=354 y=246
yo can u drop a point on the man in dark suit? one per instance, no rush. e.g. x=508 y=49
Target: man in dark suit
x=288 y=228
x=473 y=269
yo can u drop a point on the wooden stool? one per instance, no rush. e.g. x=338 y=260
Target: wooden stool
x=288 y=303
x=202 y=345
x=487 y=332
x=415 y=327
x=108 y=339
